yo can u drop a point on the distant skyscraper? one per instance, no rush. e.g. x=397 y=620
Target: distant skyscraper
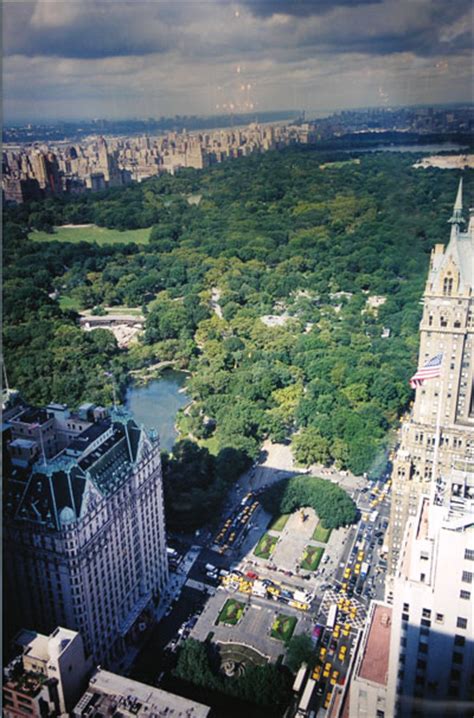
x=84 y=526
x=446 y=329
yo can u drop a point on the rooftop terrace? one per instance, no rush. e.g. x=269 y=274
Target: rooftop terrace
x=374 y=664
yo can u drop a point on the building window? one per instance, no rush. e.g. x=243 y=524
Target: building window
x=461 y=622
x=425 y=622
x=457 y=658
x=466 y=577
x=459 y=640
x=469 y=554
x=447 y=286
x=455 y=674
x=423 y=648
x=465 y=594
x=424 y=631
x=421 y=663
x=426 y=613
x=440 y=618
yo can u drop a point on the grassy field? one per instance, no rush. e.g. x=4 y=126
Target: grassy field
x=265 y=546
x=231 y=613
x=101 y=235
x=278 y=524
x=321 y=534
x=283 y=627
x=67 y=303
x=311 y=557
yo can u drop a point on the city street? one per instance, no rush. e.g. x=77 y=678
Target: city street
x=195 y=590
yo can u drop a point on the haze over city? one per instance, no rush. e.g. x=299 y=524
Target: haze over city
x=70 y=60
x=237 y=376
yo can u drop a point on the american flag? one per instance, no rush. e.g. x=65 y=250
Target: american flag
x=430 y=370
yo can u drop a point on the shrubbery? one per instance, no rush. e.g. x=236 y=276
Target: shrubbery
x=268 y=686
x=331 y=503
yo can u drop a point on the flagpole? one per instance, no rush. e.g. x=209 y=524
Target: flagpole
x=437 y=443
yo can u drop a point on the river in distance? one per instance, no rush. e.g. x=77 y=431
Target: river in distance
x=441 y=147
x=156 y=404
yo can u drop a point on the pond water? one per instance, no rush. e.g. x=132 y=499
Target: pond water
x=156 y=404
x=441 y=147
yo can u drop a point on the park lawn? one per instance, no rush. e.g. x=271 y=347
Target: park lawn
x=231 y=612
x=283 y=627
x=101 y=235
x=278 y=524
x=211 y=444
x=311 y=557
x=321 y=534
x=265 y=546
x=69 y=303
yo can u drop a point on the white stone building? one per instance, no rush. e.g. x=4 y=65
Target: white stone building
x=447 y=328
x=49 y=675
x=84 y=534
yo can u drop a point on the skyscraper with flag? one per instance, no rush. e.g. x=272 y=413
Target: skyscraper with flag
x=437 y=436
x=430 y=370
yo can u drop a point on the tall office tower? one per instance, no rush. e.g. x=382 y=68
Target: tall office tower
x=103 y=159
x=431 y=666
x=38 y=161
x=52 y=174
x=84 y=528
x=447 y=329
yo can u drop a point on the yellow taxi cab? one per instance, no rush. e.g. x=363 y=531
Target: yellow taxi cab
x=342 y=653
x=316 y=675
x=357 y=569
x=347 y=572
x=346 y=629
x=360 y=556
x=344 y=589
x=337 y=631
x=327 y=699
x=322 y=653
x=334 y=677
x=327 y=670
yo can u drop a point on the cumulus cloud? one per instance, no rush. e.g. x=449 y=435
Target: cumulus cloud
x=120 y=58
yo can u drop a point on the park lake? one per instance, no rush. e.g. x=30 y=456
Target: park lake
x=156 y=404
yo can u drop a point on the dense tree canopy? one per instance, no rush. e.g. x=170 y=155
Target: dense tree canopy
x=306 y=235
x=268 y=686
x=332 y=504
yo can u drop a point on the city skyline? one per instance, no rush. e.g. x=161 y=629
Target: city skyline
x=69 y=59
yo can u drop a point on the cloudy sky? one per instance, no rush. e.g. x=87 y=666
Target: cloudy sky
x=70 y=59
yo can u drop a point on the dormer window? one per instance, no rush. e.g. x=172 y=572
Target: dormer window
x=430 y=320
x=443 y=322
x=447 y=286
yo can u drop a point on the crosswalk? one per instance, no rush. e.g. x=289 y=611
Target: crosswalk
x=358 y=621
